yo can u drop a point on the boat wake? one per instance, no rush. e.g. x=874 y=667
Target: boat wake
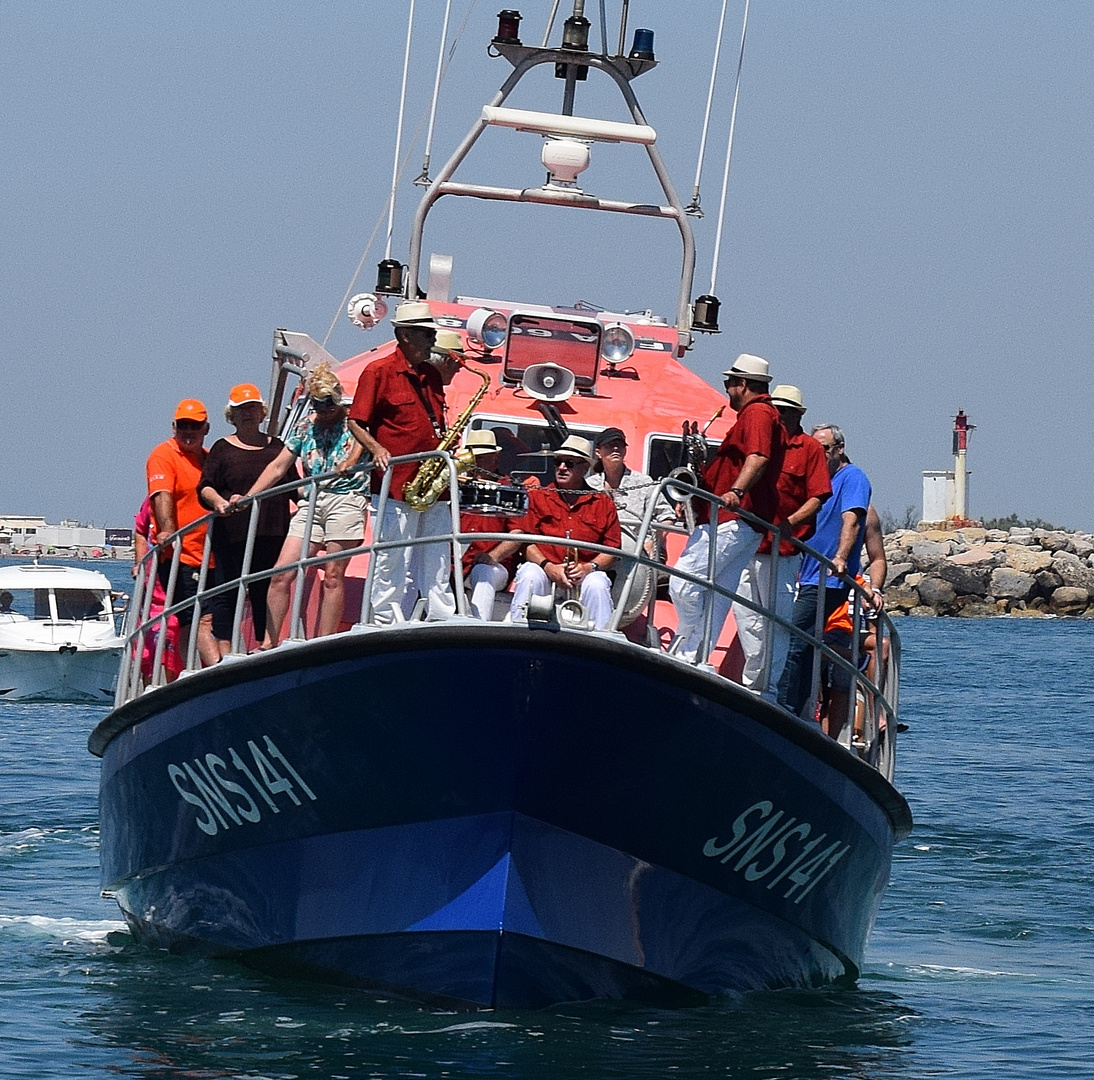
x=31 y=840
x=65 y=931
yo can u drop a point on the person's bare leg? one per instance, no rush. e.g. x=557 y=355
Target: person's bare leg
x=207 y=644
x=277 y=599
x=333 y=600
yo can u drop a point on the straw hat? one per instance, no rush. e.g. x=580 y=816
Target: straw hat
x=482 y=441
x=788 y=396
x=415 y=315
x=576 y=447
x=747 y=366
x=448 y=341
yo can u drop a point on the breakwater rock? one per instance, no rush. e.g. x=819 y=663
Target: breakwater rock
x=982 y=572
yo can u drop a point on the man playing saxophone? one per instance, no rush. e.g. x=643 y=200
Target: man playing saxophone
x=399 y=409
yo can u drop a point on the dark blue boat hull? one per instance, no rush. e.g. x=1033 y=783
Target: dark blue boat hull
x=493 y=815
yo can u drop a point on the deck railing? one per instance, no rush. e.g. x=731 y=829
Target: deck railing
x=871 y=722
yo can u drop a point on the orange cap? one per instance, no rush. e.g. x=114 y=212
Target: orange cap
x=243 y=393
x=191 y=409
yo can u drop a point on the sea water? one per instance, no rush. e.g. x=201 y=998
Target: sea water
x=980 y=964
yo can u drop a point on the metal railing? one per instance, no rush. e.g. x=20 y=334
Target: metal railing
x=871 y=721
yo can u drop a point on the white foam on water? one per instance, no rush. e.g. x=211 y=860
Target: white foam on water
x=943 y=969
x=473 y=1025
x=64 y=930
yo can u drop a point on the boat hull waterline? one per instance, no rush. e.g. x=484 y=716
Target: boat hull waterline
x=493 y=816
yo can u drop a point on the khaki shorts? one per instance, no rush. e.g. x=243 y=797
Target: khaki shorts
x=337 y=517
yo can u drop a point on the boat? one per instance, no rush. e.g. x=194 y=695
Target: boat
x=507 y=813
x=58 y=637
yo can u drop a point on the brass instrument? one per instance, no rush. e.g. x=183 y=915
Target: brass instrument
x=430 y=482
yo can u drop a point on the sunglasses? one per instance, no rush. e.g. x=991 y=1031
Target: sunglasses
x=324 y=404
x=189 y=425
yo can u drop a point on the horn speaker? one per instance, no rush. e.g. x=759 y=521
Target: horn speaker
x=548 y=382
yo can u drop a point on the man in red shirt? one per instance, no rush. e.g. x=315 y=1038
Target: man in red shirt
x=173 y=471
x=743 y=475
x=572 y=511
x=802 y=487
x=398 y=408
x=487 y=564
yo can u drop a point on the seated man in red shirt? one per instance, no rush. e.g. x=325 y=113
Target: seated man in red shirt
x=487 y=564
x=743 y=474
x=573 y=511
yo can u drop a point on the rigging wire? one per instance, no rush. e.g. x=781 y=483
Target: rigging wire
x=693 y=207
x=550 y=25
x=729 y=154
x=603 y=30
x=399 y=133
x=423 y=177
x=399 y=172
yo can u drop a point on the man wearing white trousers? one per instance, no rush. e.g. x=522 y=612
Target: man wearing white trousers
x=398 y=408
x=574 y=512
x=803 y=486
x=743 y=475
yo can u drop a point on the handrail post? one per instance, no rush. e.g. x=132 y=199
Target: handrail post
x=457 y=554
x=772 y=606
x=818 y=637
x=852 y=698
x=708 y=604
x=377 y=538
x=245 y=569
x=195 y=621
x=301 y=571
x=168 y=600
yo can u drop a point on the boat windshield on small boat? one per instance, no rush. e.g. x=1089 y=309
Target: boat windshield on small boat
x=58 y=638
x=528 y=808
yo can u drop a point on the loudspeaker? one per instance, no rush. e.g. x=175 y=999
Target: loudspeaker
x=548 y=382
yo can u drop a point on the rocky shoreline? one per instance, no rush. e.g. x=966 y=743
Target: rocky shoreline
x=978 y=573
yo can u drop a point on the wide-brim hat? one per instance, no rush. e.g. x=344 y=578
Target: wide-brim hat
x=449 y=342
x=482 y=441
x=414 y=315
x=576 y=447
x=191 y=409
x=747 y=366
x=789 y=397
x=243 y=394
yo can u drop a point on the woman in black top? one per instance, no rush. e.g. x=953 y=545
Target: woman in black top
x=232 y=466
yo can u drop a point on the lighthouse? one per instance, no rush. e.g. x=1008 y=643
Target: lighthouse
x=946 y=493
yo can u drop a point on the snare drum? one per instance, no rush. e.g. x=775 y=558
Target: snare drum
x=490 y=497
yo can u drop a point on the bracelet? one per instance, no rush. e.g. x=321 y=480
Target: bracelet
x=543 y=565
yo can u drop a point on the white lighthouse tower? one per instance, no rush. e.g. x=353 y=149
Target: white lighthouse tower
x=946 y=493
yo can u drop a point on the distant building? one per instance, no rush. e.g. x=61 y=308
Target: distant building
x=31 y=533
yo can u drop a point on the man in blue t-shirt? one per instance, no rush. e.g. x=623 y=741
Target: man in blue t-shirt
x=841 y=524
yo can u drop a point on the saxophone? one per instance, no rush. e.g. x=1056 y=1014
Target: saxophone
x=431 y=480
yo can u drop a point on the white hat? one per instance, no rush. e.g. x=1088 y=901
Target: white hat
x=415 y=314
x=448 y=341
x=576 y=447
x=481 y=441
x=788 y=396
x=747 y=366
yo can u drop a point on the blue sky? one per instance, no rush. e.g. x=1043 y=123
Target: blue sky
x=909 y=226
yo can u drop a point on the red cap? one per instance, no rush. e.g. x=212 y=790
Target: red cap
x=191 y=409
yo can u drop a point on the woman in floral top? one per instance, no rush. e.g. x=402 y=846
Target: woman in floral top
x=323 y=443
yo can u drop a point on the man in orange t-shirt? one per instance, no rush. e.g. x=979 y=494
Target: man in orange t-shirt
x=174 y=469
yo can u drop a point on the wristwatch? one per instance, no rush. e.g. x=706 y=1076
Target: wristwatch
x=739 y=492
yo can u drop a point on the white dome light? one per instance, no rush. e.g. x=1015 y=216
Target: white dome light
x=565 y=160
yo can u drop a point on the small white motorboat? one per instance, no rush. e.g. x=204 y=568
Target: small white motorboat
x=58 y=639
